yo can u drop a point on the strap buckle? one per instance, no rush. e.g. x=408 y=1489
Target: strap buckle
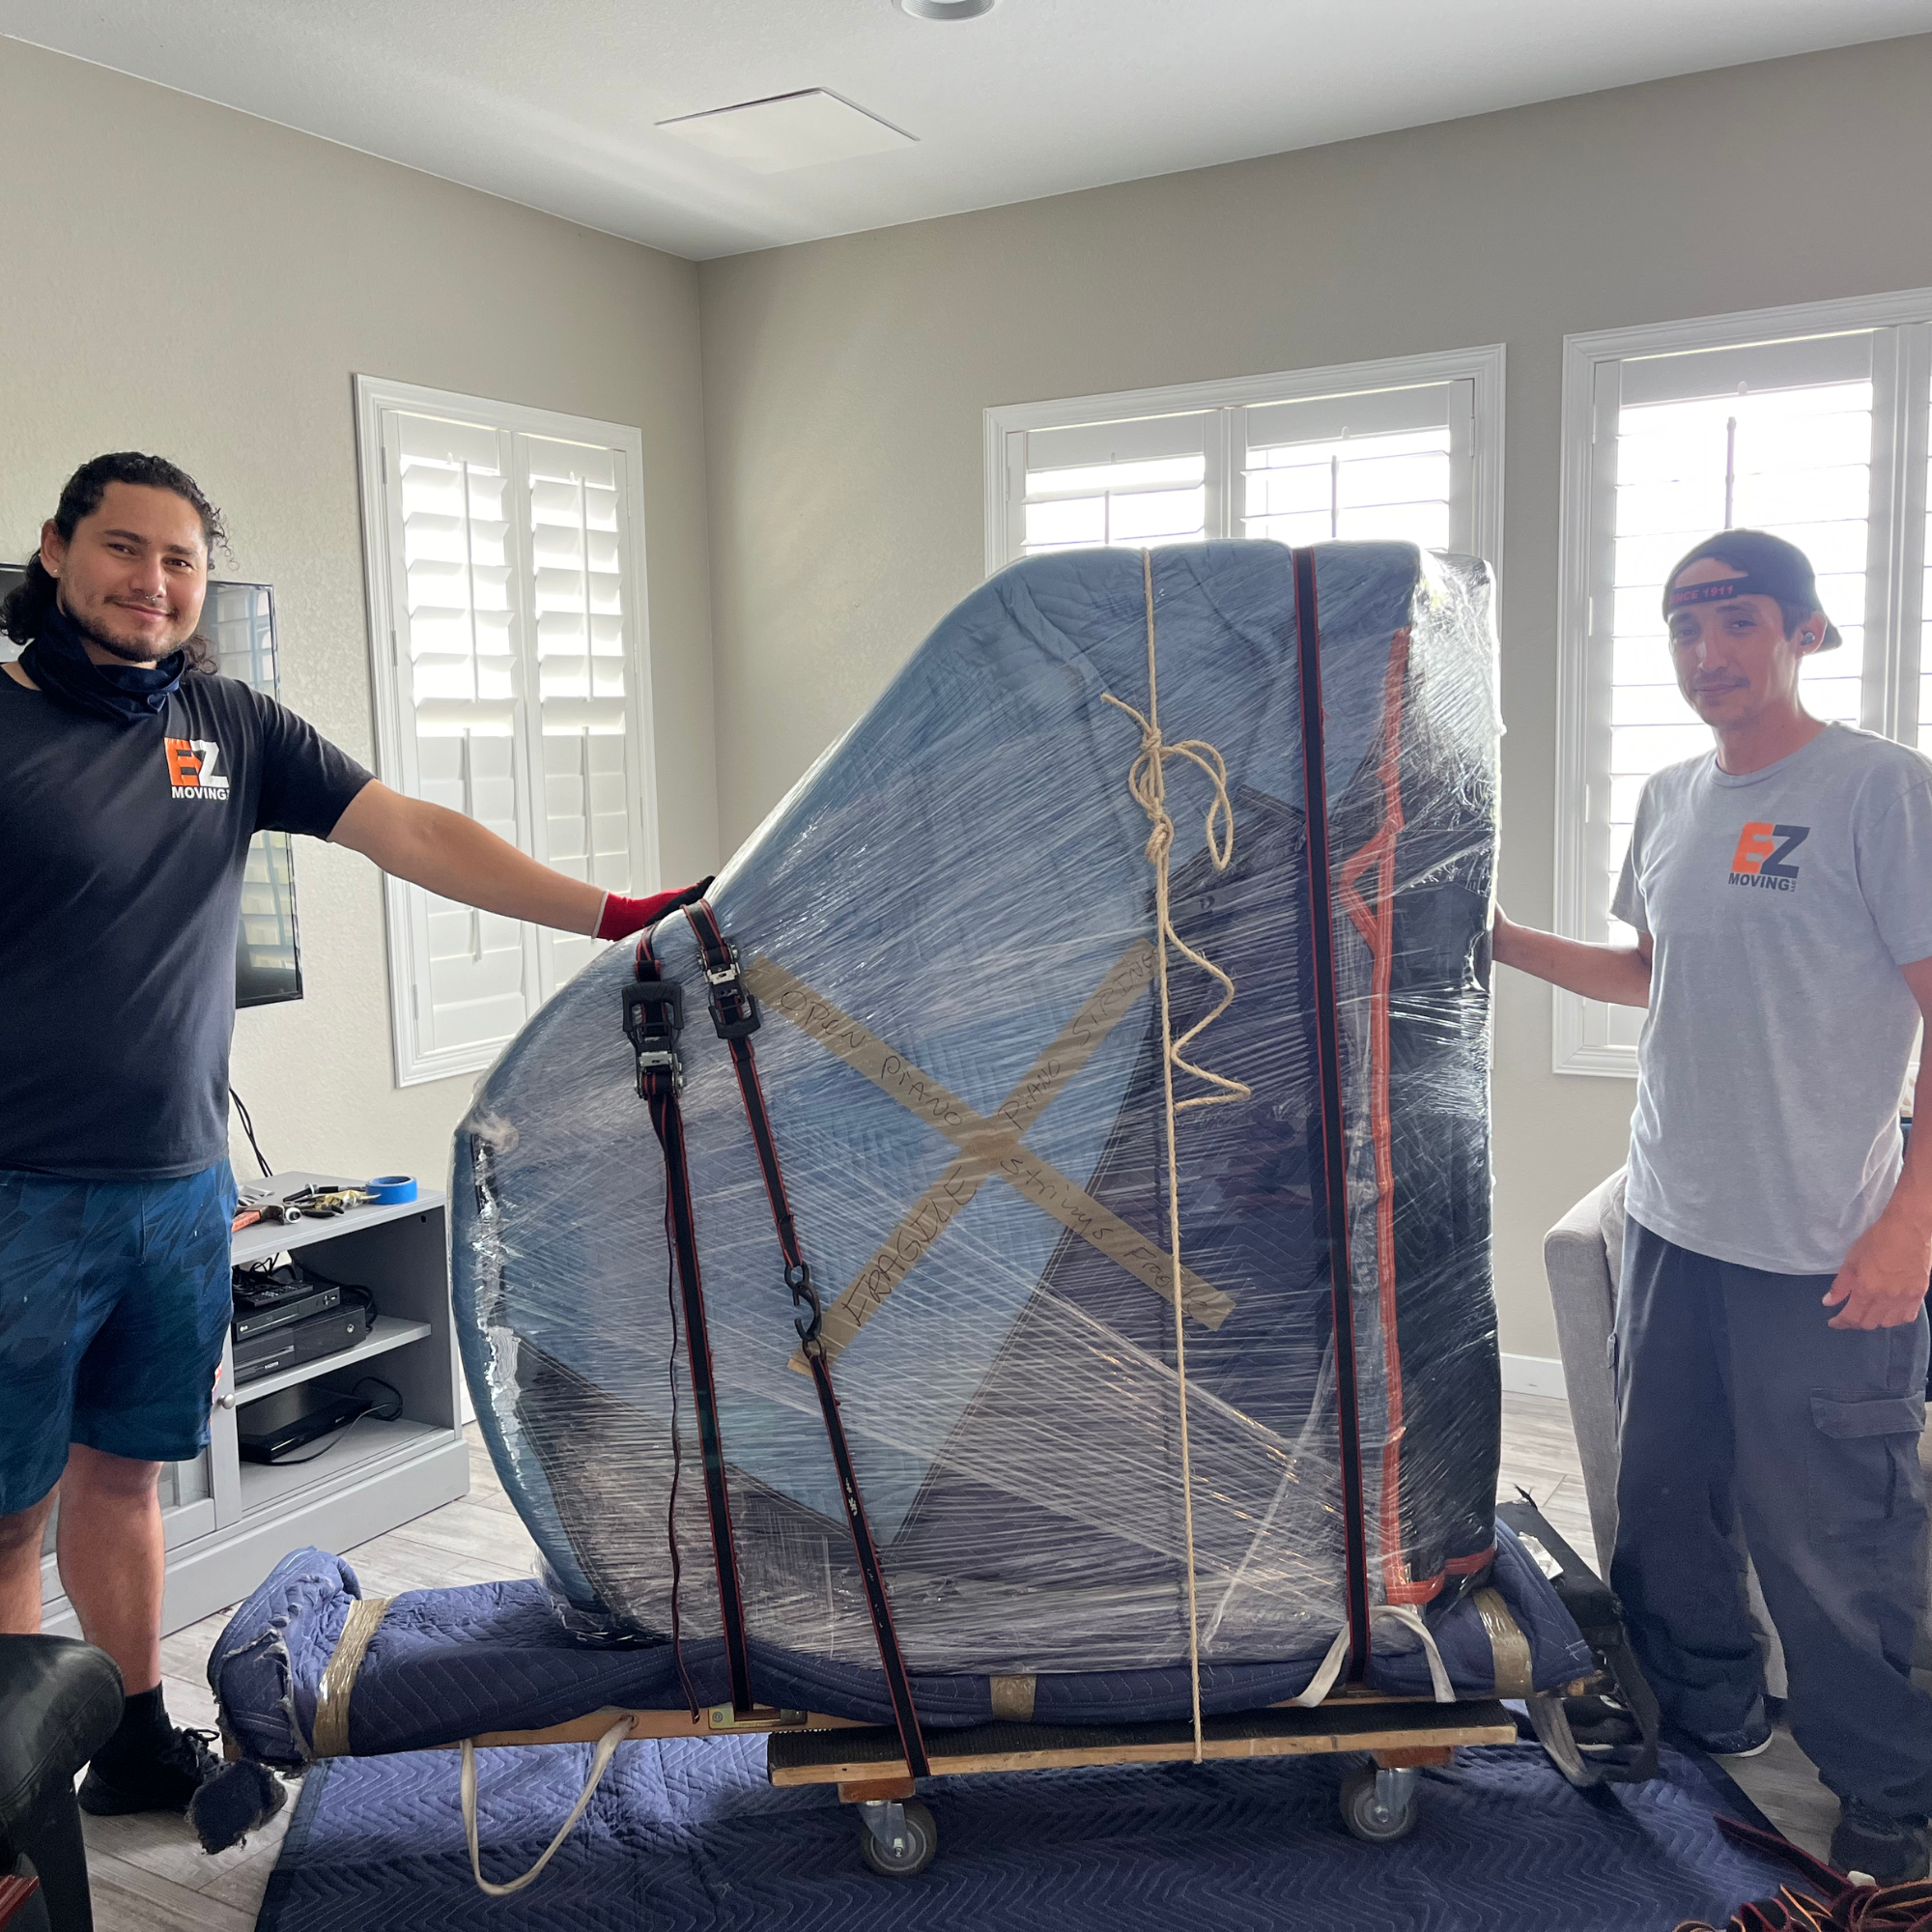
x=653 y=1019
x=798 y=1278
x=734 y=1009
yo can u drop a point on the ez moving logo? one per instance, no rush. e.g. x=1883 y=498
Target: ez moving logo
x=1763 y=853
x=194 y=768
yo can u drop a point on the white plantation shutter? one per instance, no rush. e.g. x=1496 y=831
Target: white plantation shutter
x=506 y=613
x=1408 y=450
x=579 y=604
x=1133 y=482
x=1815 y=431
x=450 y=517
x=1916 y=622
x=1385 y=465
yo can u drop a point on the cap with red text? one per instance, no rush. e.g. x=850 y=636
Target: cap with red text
x=1761 y=565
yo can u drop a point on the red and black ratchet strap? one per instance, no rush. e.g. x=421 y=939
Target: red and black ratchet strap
x=734 y=1014
x=653 y=1019
x=1328 y=1055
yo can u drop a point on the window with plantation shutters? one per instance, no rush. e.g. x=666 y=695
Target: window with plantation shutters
x=1409 y=450
x=504 y=559
x=1810 y=422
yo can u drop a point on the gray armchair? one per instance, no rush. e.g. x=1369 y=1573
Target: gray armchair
x=1583 y=1256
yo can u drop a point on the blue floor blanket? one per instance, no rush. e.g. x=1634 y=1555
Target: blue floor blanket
x=690 y=1836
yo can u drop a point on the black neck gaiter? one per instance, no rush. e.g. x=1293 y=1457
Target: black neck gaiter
x=57 y=660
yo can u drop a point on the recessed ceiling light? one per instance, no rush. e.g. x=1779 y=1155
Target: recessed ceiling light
x=788 y=130
x=946 y=10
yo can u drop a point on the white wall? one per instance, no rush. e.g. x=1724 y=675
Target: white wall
x=179 y=278
x=844 y=382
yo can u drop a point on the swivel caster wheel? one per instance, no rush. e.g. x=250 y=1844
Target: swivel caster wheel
x=1378 y=1806
x=897 y=1840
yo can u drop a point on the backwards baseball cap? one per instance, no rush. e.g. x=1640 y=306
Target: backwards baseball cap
x=1762 y=565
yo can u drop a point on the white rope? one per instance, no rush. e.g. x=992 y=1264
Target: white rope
x=1146 y=780
x=1324 y=1680
x=606 y=1749
x=1438 y=1674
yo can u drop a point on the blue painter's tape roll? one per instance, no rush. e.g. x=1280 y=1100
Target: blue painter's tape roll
x=389 y=1188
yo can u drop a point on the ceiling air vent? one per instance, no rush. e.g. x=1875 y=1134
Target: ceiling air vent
x=787 y=131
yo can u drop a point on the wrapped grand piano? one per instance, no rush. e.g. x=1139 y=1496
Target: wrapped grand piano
x=951 y=932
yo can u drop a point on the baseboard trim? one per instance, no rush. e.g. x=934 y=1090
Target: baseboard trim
x=1534 y=1375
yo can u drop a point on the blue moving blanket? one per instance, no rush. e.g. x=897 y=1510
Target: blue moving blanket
x=950 y=924
x=448 y=1665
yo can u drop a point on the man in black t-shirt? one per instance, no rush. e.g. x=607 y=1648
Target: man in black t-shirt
x=131 y=780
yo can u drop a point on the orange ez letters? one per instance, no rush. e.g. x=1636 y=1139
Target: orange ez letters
x=1755 y=844
x=185 y=763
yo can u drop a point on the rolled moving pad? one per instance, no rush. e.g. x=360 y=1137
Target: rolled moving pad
x=951 y=925
x=432 y=1667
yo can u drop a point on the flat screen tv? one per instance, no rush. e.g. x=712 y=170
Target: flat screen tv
x=239 y=620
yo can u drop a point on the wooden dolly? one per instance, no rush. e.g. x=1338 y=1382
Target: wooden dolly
x=1401 y=1736
x=1379 y=1802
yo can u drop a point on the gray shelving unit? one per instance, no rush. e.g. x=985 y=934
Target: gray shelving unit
x=228 y=1522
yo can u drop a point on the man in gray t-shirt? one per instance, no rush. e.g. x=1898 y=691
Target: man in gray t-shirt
x=1770 y=1336
x=1781 y=906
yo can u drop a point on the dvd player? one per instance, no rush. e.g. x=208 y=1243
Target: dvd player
x=271 y=1445
x=319 y=1300
x=265 y=1288
x=294 y=1343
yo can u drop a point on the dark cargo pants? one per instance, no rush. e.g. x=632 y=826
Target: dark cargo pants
x=1739 y=1403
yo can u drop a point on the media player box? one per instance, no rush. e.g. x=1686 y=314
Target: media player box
x=259 y=1320
x=297 y=1341
x=272 y=1445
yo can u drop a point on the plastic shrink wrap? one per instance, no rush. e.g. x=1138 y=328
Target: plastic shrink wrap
x=951 y=926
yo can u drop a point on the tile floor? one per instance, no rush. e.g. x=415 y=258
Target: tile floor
x=149 y=1875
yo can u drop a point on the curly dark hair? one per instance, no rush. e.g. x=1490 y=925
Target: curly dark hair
x=26 y=605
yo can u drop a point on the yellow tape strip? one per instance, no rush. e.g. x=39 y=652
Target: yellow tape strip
x=338 y=1677
x=929 y=1217
x=1012 y=1699
x=991 y=1146
x=1514 y=1672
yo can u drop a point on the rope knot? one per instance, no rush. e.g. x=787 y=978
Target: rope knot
x=1146 y=783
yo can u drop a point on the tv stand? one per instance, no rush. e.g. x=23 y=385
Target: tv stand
x=228 y=1522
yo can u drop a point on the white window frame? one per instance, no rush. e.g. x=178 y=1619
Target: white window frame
x=1902 y=387
x=415 y=1062
x=1483 y=366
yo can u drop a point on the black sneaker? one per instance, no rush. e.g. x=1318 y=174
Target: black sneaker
x=1888 y=1850
x=1597 y=1721
x=162 y=1781
x=1750 y=1739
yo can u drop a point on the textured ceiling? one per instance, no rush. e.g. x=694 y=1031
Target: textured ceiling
x=555 y=103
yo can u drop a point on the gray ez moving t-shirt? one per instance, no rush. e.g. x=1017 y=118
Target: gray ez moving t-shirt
x=1781 y=904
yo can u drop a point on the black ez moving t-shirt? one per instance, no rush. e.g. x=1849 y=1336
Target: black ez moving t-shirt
x=122 y=847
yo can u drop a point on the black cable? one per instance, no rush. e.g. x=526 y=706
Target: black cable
x=248 y=1128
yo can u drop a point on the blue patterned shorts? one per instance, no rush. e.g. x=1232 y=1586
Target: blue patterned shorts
x=114 y=1299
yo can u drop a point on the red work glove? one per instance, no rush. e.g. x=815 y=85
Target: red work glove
x=624 y=915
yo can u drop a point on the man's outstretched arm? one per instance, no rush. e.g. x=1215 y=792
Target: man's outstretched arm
x=454 y=857
x=1619 y=974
